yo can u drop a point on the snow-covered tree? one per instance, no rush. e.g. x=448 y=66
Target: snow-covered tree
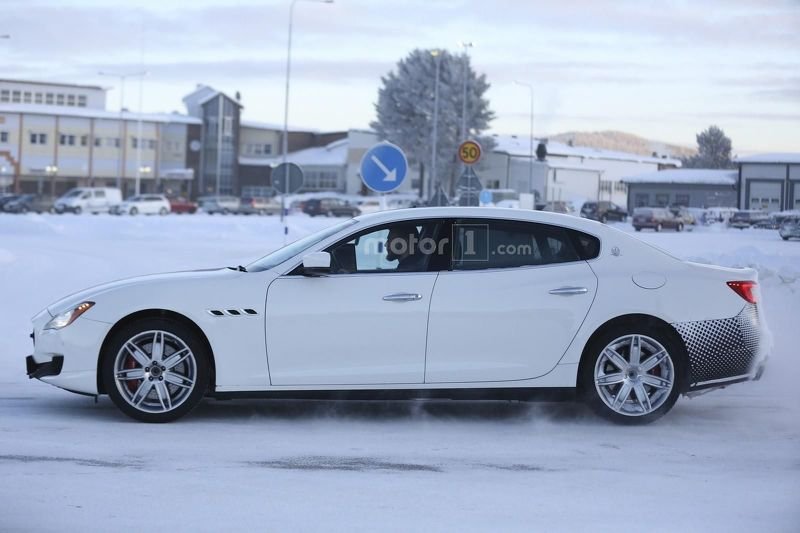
x=405 y=110
x=713 y=150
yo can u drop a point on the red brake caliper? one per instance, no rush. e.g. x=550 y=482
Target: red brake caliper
x=132 y=384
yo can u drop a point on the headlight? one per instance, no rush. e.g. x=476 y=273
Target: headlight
x=68 y=317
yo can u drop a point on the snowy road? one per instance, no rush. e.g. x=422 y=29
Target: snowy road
x=727 y=461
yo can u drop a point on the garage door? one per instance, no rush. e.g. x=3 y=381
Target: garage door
x=765 y=196
x=796 y=197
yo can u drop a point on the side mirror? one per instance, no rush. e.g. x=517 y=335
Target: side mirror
x=317 y=264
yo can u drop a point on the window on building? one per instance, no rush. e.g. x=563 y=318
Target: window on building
x=84 y=140
x=267 y=149
x=227 y=126
x=38 y=98
x=27 y=97
x=321 y=180
x=82 y=100
x=38 y=138
x=662 y=200
x=71 y=100
x=620 y=186
x=48 y=99
x=134 y=142
x=605 y=186
x=66 y=140
x=16 y=97
x=98 y=141
x=642 y=200
x=112 y=141
x=59 y=99
x=682 y=199
x=5 y=95
x=3 y=136
x=151 y=144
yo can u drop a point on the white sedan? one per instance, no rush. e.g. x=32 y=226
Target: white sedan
x=143 y=204
x=449 y=302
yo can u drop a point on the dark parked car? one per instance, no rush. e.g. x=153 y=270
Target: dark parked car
x=6 y=198
x=603 y=211
x=30 y=203
x=182 y=205
x=790 y=228
x=331 y=207
x=656 y=218
x=746 y=219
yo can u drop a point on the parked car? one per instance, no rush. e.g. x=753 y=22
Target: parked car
x=223 y=205
x=331 y=207
x=790 y=228
x=259 y=205
x=558 y=207
x=89 y=200
x=746 y=218
x=144 y=204
x=33 y=203
x=603 y=211
x=6 y=198
x=182 y=205
x=656 y=218
x=630 y=333
x=719 y=214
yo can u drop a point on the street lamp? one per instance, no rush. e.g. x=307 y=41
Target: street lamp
x=530 y=170
x=51 y=171
x=122 y=77
x=435 y=54
x=464 y=45
x=286 y=100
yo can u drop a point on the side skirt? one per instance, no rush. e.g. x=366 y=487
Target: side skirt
x=520 y=394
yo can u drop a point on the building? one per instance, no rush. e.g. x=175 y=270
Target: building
x=690 y=187
x=52 y=94
x=566 y=172
x=769 y=181
x=50 y=149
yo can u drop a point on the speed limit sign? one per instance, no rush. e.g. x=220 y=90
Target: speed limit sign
x=469 y=152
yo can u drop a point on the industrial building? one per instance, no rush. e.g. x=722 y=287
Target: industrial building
x=769 y=181
x=691 y=187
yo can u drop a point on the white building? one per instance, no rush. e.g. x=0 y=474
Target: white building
x=568 y=173
x=50 y=94
x=769 y=181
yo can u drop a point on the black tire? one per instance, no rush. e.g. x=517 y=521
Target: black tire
x=202 y=364
x=637 y=228
x=604 y=219
x=133 y=211
x=784 y=238
x=78 y=210
x=662 y=334
x=163 y=211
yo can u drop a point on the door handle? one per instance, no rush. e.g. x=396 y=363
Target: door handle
x=566 y=291
x=402 y=297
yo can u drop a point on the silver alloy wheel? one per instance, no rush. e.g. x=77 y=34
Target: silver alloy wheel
x=155 y=371
x=634 y=375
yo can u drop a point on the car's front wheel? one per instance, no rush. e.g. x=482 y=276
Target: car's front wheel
x=633 y=375
x=155 y=370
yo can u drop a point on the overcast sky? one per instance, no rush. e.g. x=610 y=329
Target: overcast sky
x=662 y=69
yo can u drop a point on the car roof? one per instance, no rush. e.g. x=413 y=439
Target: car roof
x=505 y=213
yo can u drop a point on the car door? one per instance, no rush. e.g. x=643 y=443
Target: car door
x=515 y=298
x=365 y=323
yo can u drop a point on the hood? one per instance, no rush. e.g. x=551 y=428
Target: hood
x=92 y=293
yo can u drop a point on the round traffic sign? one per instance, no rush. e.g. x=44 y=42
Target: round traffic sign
x=469 y=152
x=384 y=167
x=295 y=178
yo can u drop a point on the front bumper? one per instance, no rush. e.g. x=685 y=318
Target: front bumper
x=48 y=368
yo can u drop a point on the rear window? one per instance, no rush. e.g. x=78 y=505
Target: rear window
x=587 y=246
x=645 y=212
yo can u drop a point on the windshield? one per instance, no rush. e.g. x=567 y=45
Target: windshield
x=73 y=193
x=290 y=250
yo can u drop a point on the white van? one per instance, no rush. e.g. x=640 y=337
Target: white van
x=88 y=200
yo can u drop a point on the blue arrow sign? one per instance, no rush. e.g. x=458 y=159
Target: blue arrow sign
x=485 y=196
x=384 y=167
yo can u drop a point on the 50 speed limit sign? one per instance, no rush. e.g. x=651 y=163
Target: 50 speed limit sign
x=469 y=152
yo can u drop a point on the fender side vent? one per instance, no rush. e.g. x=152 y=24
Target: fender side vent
x=233 y=312
x=215 y=312
x=251 y=311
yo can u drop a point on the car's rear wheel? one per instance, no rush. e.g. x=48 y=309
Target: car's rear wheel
x=163 y=211
x=633 y=375
x=604 y=219
x=155 y=370
x=134 y=211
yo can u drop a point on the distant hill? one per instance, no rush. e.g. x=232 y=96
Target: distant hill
x=624 y=142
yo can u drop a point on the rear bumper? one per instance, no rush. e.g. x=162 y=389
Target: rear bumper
x=726 y=351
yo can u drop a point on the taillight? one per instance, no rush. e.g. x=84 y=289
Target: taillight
x=745 y=289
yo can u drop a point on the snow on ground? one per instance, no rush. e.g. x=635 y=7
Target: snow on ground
x=727 y=461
